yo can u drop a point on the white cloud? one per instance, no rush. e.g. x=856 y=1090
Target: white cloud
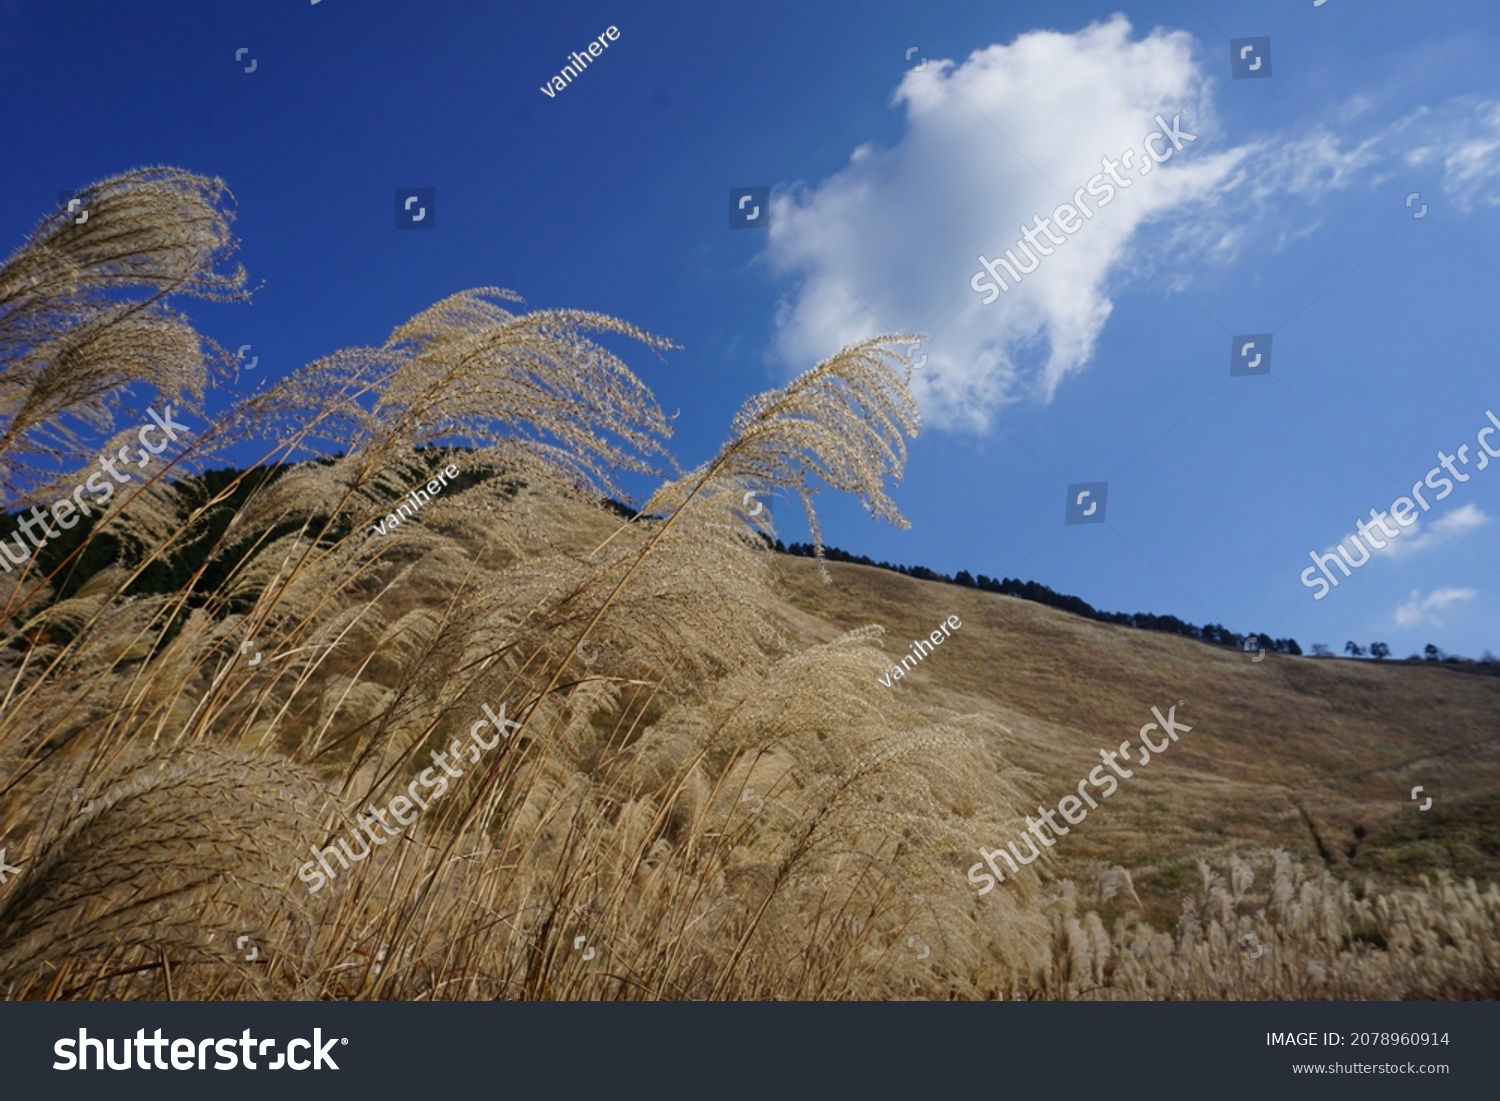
x=1420 y=609
x=889 y=243
x=1463 y=135
x=1456 y=523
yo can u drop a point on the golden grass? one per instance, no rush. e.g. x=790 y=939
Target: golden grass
x=1303 y=936
x=1342 y=741
x=709 y=786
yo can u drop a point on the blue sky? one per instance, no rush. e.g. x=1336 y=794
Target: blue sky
x=1286 y=215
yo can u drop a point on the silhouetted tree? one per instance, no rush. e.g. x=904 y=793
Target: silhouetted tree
x=1354 y=649
x=1379 y=651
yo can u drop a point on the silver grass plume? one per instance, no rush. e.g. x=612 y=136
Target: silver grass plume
x=68 y=342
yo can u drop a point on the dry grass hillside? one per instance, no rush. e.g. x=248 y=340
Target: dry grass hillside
x=1314 y=755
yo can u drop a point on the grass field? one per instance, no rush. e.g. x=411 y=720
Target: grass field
x=1314 y=755
x=215 y=691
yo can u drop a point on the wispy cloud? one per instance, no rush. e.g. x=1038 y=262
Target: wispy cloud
x=1461 y=136
x=1419 y=609
x=1420 y=537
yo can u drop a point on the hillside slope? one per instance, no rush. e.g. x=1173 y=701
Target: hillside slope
x=1315 y=755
